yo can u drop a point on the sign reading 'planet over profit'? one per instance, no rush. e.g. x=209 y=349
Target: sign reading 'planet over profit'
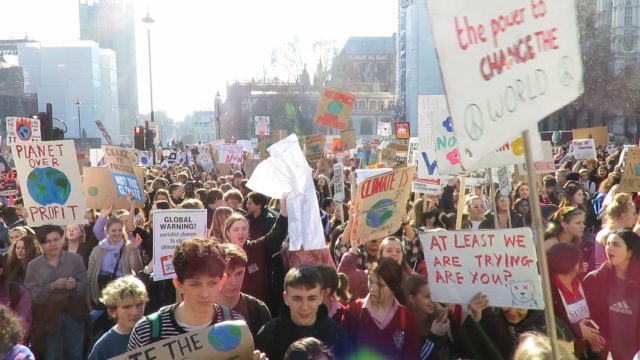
x=49 y=172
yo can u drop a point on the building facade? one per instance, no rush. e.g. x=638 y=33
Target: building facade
x=63 y=73
x=111 y=23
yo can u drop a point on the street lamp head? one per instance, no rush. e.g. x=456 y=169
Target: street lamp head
x=78 y=102
x=147 y=19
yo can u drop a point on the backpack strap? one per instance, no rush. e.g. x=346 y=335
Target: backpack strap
x=226 y=313
x=154 y=319
x=14 y=295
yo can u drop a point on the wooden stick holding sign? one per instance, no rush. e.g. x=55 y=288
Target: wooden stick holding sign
x=461 y=202
x=494 y=206
x=538 y=232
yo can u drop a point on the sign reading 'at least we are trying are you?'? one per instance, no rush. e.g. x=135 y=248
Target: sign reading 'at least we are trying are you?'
x=505 y=66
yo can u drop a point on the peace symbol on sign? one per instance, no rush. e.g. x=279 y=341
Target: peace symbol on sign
x=565 y=71
x=473 y=122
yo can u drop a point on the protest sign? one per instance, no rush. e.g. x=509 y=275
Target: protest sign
x=224 y=340
x=96 y=156
x=155 y=129
x=249 y=165
x=50 y=182
x=541 y=167
x=262 y=125
x=314 y=148
x=630 y=181
x=338 y=183
x=505 y=65
x=348 y=139
x=403 y=130
x=336 y=144
x=170 y=228
x=144 y=159
x=223 y=169
x=334 y=109
x=384 y=128
x=230 y=153
x=287 y=171
x=599 y=134
x=100 y=192
x=263 y=146
x=8 y=183
x=278 y=135
x=388 y=158
x=20 y=129
x=104 y=132
x=427 y=186
x=379 y=204
x=584 y=149
x=504 y=179
x=499 y=263
x=427 y=163
x=445 y=143
x=119 y=162
x=204 y=160
x=412 y=150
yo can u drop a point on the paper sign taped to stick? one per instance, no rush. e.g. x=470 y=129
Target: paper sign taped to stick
x=314 y=148
x=50 y=181
x=100 y=192
x=8 y=182
x=170 y=228
x=499 y=263
x=334 y=109
x=584 y=149
x=505 y=66
x=630 y=181
x=338 y=183
x=119 y=162
x=20 y=129
x=380 y=203
x=225 y=340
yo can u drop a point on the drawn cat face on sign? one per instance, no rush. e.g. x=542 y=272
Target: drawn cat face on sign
x=522 y=291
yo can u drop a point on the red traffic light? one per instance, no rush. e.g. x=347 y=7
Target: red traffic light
x=139 y=130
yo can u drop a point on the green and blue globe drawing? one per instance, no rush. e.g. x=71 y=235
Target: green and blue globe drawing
x=225 y=337
x=380 y=213
x=48 y=186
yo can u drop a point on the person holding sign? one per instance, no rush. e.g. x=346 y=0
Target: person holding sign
x=379 y=321
x=507 y=217
x=612 y=294
x=569 y=301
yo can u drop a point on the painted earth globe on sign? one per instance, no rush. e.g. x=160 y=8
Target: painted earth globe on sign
x=225 y=337
x=48 y=186
x=380 y=213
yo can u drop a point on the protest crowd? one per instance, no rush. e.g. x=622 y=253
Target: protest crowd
x=91 y=290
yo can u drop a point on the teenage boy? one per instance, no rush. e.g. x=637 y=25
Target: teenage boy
x=255 y=312
x=304 y=316
x=58 y=284
x=200 y=265
x=125 y=299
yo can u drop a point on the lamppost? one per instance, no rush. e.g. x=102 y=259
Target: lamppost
x=78 y=103
x=148 y=20
x=217 y=110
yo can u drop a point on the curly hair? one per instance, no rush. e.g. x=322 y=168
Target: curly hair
x=198 y=256
x=123 y=288
x=10 y=331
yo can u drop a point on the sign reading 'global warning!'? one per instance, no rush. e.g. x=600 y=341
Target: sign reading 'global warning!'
x=50 y=181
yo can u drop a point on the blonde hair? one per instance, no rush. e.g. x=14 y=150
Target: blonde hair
x=535 y=346
x=123 y=288
x=191 y=204
x=621 y=202
x=220 y=215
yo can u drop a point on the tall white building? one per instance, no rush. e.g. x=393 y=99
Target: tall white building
x=61 y=73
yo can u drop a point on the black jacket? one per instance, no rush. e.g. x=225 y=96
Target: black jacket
x=275 y=336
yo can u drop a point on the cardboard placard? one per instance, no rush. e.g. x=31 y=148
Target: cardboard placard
x=263 y=146
x=630 y=181
x=499 y=263
x=334 y=109
x=338 y=183
x=223 y=169
x=379 y=204
x=50 y=181
x=100 y=192
x=314 y=148
x=124 y=178
x=348 y=139
x=279 y=135
x=225 y=340
x=170 y=228
x=229 y=153
x=250 y=165
x=599 y=134
x=494 y=94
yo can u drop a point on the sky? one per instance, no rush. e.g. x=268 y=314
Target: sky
x=198 y=46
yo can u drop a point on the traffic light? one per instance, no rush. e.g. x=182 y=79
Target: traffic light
x=149 y=137
x=138 y=137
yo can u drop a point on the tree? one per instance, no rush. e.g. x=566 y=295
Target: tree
x=326 y=52
x=289 y=59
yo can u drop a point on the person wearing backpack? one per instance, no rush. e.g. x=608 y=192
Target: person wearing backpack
x=199 y=265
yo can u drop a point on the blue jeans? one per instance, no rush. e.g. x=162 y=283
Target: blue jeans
x=68 y=339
